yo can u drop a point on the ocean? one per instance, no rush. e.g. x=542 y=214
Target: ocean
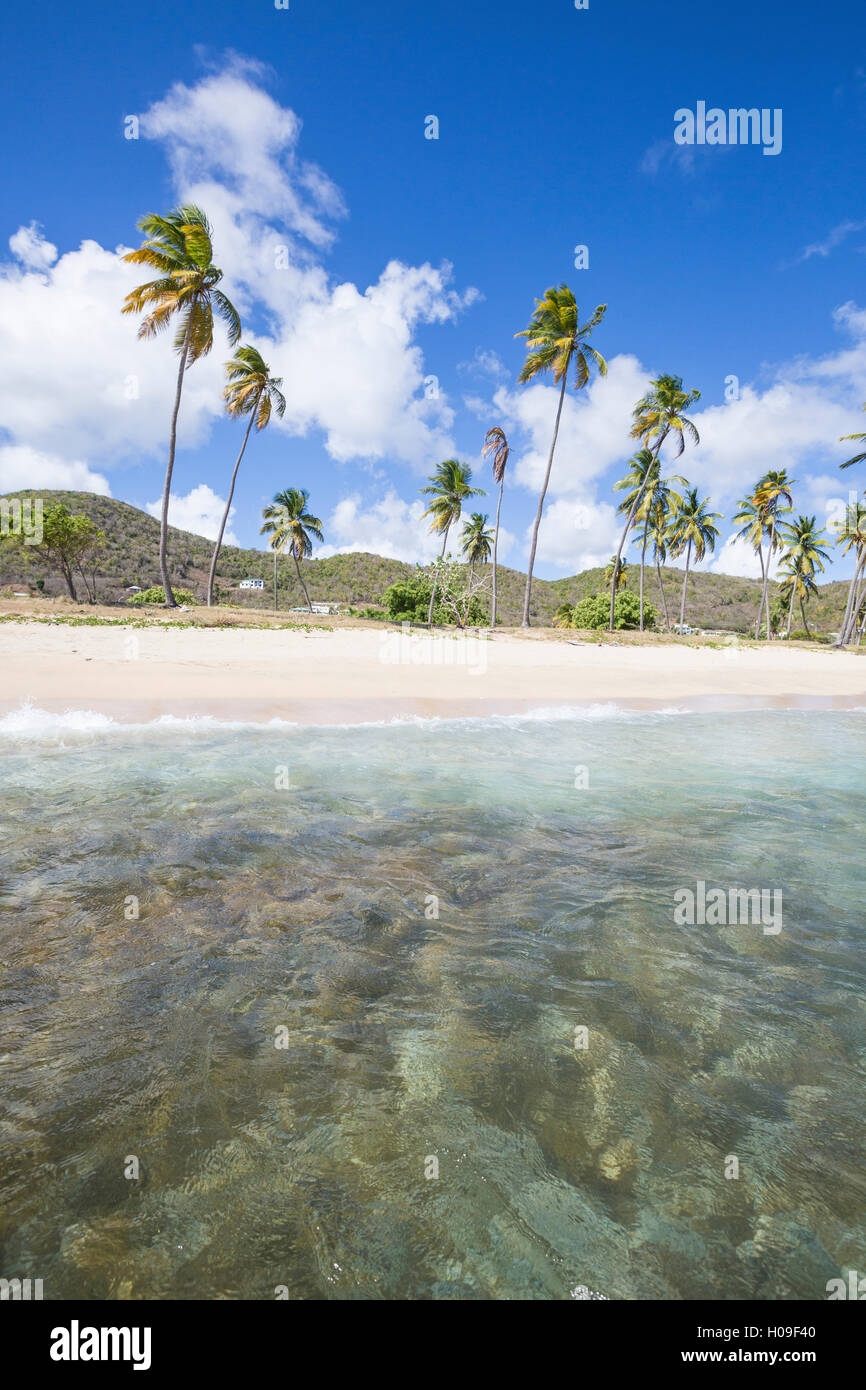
x=434 y=1009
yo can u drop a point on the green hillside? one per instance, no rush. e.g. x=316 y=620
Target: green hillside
x=131 y=557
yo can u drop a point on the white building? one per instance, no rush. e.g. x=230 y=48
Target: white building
x=251 y=584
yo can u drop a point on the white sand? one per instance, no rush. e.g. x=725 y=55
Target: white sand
x=348 y=674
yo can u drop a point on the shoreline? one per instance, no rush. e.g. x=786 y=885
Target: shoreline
x=356 y=676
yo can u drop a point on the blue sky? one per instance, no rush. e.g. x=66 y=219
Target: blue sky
x=411 y=258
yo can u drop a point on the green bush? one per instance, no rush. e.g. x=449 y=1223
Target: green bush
x=408 y=601
x=594 y=613
x=157 y=595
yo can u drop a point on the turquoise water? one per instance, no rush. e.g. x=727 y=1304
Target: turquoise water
x=307 y=916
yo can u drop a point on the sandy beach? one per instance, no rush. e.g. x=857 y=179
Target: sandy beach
x=328 y=676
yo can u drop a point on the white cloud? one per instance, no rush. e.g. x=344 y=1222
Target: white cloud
x=23 y=467
x=200 y=512
x=394 y=528
x=78 y=383
x=28 y=245
x=593 y=430
x=576 y=535
x=834 y=238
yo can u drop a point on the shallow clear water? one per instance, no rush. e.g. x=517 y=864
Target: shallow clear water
x=303 y=916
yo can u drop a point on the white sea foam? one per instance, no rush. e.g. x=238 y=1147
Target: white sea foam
x=31 y=724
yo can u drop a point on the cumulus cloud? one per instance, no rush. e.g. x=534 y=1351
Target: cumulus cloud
x=577 y=535
x=394 y=528
x=200 y=511
x=22 y=467
x=80 y=384
x=29 y=246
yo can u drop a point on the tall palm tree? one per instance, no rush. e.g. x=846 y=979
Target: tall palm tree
x=858 y=458
x=496 y=443
x=252 y=391
x=179 y=247
x=476 y=541
x=554 y=339
x=659 y=533
x=804 y=554
x=661 y=410
x=450 y=486
x=694 y=531
x=645 y=488
x=851 y=535
x=752 y=530
x=288 y=523
x=771 y=492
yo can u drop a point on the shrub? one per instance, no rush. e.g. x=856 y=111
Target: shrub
x=594 y=613
x=157 y=595
x=408 y=600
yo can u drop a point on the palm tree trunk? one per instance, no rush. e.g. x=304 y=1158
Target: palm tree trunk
x=528 y=592
x=685 y=582
x=634 y=506
x=301 y=578
x=219 y=541
x=790 y=610
x=761 y=608
x=803 y=616
x=765 y=602
x=843 y=631
x=495 y=545
x=166 y=490
x=664 y=600
x=643 y=562
x=275 y=579
x=435 y=577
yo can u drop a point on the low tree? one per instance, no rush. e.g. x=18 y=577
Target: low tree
x=69 y=543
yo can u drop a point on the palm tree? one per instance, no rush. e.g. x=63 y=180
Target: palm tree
x=752 y=530
x=476 y=538
x=852 y=536
x=693 y=529
x=555 y=337
x=771 y=491
x=495 y=442
x=449 y=488
x=645 y=488
x=616 y=567
x=179 y=247
x=661 y=410
x=659 y=534
x=805 y=553
x=858 y=458
x=252 y=391
x=563 y=615
x=288 y=522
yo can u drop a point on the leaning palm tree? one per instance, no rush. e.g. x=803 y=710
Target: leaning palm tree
x=752 y=530
x=694 y=531
x=645 y=488
x=554 y=339
x=771 y=492
x=251 y=391
x=804 y=554
x=450 y=486
x=476 y=541
x=288 y=523
x=858 y=458
x=496 y=443
x=659 y=534
x=851 y=535
x=179 y=247
x=661 y=410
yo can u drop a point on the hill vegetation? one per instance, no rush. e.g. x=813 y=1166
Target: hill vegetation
x=359 y=580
